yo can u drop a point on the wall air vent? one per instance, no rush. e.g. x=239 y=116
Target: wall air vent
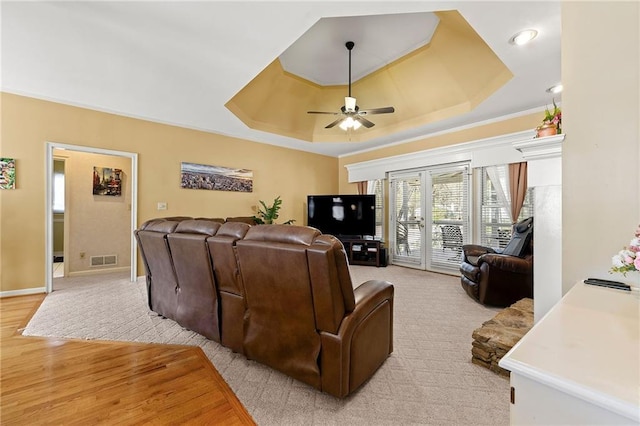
x=106 y=260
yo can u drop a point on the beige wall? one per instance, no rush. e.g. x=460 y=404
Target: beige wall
x=28 y=123
x=98 y=224
x=601 y=154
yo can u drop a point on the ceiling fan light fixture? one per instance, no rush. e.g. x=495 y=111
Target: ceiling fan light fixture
x=349 y=103
x=349 y=123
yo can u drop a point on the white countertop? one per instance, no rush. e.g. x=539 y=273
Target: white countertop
x=588 y=345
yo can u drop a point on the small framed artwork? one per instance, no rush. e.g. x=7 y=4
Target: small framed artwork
x=215 y=178
x=7 y=173
x=107 y=181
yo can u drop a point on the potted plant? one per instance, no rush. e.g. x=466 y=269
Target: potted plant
x=267 y=214
x=552 y=122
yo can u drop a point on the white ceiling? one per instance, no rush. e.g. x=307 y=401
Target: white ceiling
x=180 y=62
x=321 y=55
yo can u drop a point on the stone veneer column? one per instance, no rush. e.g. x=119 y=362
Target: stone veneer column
x=544 y=174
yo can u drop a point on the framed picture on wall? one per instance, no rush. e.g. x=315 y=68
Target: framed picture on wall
x=107 y=181
x=7 y=173
x=215 y=178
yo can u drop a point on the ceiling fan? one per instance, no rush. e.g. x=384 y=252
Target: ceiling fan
x=353 y=116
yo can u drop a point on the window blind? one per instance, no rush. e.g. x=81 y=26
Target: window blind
x=495 y=220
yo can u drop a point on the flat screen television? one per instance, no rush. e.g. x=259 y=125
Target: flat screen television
x=343 y=215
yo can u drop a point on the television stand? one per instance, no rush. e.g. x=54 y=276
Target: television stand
x=365 y=252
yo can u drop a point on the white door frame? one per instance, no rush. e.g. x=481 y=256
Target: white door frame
x=48 y=225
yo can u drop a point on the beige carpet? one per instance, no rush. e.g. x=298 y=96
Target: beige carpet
x=428 y=380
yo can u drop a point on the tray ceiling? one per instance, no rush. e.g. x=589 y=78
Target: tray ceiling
x=180 y=62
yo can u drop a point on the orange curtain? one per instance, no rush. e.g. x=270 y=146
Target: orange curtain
x=517 y=187
x=362 y=187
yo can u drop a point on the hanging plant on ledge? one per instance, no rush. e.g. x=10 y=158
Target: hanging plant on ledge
x=552 y=122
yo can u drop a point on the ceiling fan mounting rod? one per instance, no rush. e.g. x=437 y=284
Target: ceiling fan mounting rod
x=349 y=46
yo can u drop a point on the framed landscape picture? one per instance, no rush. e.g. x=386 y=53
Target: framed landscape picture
x=215 y=178
x=7 y=173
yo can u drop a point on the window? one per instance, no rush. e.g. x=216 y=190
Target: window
x=495 y=219
x=58 y=192
x=376 y=187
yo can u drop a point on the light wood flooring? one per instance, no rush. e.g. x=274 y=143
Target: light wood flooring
x=62 y=381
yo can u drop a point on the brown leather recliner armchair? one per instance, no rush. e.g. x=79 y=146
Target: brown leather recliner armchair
x=303 y=317
x=500 y=277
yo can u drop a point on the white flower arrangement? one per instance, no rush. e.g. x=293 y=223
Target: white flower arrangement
x=628 y=259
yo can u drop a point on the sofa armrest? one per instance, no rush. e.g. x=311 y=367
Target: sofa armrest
x=506 y=263
x=370 y=327
x=476 y=250
x=471 y=253
x=370 y=293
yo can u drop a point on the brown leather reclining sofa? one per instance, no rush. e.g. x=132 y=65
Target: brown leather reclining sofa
x=281 y=295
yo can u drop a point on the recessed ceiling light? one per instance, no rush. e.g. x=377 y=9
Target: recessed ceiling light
x=523 y=37
x=556 y=88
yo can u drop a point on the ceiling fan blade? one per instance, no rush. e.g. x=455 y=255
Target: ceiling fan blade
x=322 y=112
x=330 y=125
x=366 y=123
x=385 y=110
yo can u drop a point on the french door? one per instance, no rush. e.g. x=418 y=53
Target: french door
x=429 y=217
x=406 y=218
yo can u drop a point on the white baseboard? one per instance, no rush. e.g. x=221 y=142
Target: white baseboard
x=99 y=271
x=23 y=292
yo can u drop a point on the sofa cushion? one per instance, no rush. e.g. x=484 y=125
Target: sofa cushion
x=282 y=234
x=279 y=325
x=198 y=226
x=197 y=307
x=236 y=230
x=162 y=283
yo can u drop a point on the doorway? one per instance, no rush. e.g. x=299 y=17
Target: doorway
x=429 y=217
x=58 y=216
x=49 y=205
